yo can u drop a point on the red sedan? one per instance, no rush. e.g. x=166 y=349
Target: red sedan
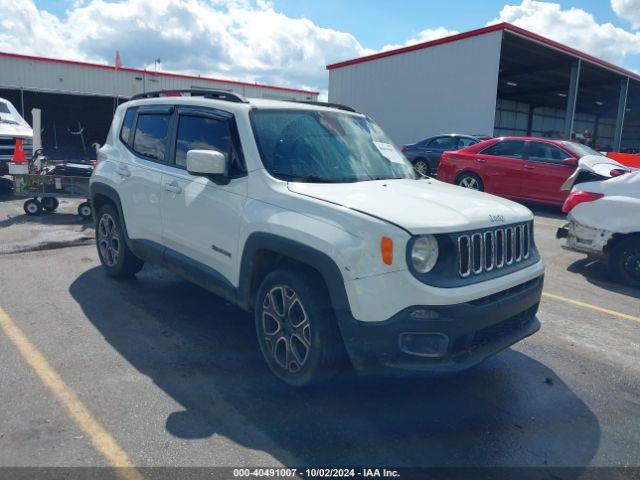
x=521 y=168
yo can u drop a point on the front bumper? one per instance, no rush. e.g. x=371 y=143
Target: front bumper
x=445 y=338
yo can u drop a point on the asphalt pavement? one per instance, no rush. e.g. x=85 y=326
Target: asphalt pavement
x=172 y=375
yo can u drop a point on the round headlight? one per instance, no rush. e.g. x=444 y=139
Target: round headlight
x=424 y=253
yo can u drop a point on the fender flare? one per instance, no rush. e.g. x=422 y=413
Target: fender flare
x=306 y=255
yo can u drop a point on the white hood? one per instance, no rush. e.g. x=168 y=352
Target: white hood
x=12 y=124
x=419 y=206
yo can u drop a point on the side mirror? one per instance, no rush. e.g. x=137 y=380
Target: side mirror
x=570 y=162
x=207 y=163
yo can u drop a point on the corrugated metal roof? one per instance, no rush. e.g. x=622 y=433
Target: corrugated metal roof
x=481 y=31
x=159 y=74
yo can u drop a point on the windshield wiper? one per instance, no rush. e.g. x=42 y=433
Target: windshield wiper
x=303 y=178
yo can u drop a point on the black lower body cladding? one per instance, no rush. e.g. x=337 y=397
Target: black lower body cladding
x=445 y=338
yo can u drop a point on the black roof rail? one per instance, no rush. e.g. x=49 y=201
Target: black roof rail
x=339 y=106
x=213 y=94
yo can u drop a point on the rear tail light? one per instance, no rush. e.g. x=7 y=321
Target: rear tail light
x=616 y=172
x=403 y=148
x=578 y=197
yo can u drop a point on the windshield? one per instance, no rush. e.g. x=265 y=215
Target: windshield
x=580 y=149
x=325 y=146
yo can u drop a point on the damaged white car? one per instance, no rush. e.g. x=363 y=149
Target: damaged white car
x=604 y=215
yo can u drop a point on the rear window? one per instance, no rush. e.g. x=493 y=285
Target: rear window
x=127 y=124
x=444 y=143
x=150 y=138
x=4 y=108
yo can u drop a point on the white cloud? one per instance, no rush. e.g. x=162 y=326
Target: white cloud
x=423 y=36
x=628 y=10
x=239 y=39
x=574 y=27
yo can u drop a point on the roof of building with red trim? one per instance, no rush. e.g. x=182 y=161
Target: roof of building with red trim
x=481 y=31
x=160 y=74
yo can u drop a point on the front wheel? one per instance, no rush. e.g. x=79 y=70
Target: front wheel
x=32 y=207
x=470 y=181
x=84 y=210
x=116 y=257
x=296 y=327
x=624 y=261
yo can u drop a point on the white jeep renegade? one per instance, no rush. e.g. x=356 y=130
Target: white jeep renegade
x=309 y=216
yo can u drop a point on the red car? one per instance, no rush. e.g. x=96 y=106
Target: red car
x=521 y=168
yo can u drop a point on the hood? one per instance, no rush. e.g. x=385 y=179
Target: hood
x=419 y=206
x=597 y=165
x=11 y=123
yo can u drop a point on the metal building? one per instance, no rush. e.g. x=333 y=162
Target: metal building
x=499 y=80
x=77 y=99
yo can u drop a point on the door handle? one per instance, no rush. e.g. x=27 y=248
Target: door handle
x=173 y=187
x=481 y=160
x=123 y=171
x=529 y=167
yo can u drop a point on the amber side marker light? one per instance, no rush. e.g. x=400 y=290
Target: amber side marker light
x=386 y=250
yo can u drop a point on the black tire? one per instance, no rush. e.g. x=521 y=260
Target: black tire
x=118 y=260
x=624 y=261
x=421 y=166
x=32 y=207
x=50 y=204
x=471 y=181
x=85 y=211
x=308 y=353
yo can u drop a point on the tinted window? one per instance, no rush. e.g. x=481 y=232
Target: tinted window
x=151 y=135
x=200 y=133
x=443 y=143
x=127 y=123
x=466 y=142
x=506 y=148
x=546 y=152
x=4 y=108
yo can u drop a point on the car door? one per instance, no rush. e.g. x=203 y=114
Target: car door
x=436 y=147
x=544 y=172
x=201 y=220
x=138 y=173
x=500 y=167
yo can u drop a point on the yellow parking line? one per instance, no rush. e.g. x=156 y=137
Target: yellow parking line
x=100 y=438
x=592 y=307
x=548 y=224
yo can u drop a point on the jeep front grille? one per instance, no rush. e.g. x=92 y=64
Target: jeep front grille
x=493 y=249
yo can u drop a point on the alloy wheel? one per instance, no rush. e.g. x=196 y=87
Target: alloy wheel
x=108 y=240
x=632 y=264
x=469 y=182
x=422 y=168
x=286 y=328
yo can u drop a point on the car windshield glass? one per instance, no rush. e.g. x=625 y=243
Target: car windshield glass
x=580 y=149
x=325 y=146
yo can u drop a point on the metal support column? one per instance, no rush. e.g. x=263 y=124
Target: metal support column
x=622 y=107
x=572 y=97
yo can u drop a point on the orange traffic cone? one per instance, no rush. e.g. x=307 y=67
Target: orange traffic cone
x=18 y=153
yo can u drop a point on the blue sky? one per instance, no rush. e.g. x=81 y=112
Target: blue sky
x=380 y=22
x=268 y=41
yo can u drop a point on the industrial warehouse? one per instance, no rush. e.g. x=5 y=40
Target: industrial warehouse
x=77 y=99
x=494 y=81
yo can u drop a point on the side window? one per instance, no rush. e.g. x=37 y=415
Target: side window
x=464 y=142
x=506 y=148
x=546 y=152
x=127 y=124
x=151 y=135
x=203 y=133
x=443 y=143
